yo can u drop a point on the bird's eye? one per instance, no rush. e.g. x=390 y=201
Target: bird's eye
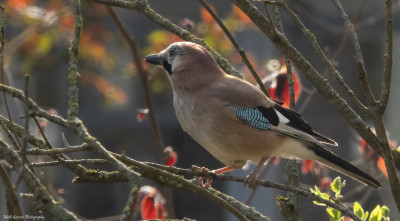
x=172 y=53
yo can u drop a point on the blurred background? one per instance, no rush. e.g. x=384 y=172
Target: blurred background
x=37 y=41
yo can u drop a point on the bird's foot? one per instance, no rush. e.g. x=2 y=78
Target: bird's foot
x=207 y=183
x=251 y=180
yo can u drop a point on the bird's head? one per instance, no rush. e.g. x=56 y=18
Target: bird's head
x=187 y=64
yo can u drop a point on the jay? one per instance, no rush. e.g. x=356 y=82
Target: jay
x=235 y=122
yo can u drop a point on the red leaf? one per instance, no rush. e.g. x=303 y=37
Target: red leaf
x=279 y=88
x=173 y=156
x=141 y=113
x=160 y=210
x=148 y=209
x=325 y=182
x=151 y=204
x=307 y=166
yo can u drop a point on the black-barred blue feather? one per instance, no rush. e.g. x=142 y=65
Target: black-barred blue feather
x=252 y=116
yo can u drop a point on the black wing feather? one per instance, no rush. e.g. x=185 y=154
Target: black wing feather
x=270 y=114
x=298 y=123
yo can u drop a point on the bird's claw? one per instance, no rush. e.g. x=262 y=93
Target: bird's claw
x=251 y=180
x=203 y=184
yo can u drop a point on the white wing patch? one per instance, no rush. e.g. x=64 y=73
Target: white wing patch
x=282 y=119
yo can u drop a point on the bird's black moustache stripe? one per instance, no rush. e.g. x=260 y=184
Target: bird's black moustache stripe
x=167 y=66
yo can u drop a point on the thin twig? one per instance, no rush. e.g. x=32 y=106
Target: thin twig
x=388 y=57
x=143 y=75
x=144 y=8
x=43 y=200
x=73 y=75
x=8 y=134
x=164 y=177
x=161 y=173
x=42 y=132
x=35 y=110
x=269 y=17
x=311 y=73
x=312 y=39
x=69 y=162
x=26 y=94
x=71 y=149
x=26 y=126
x=12 y=201
x=293 y=203
x=362 y=72
x=335 y=56
x=237 y=47
x=2 y=50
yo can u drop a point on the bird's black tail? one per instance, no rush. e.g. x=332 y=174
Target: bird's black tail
x=343 y=166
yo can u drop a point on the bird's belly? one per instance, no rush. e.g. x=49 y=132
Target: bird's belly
x=232 y=143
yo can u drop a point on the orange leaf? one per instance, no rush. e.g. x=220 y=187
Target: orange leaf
x=18 y=4
x=67 y=22
x=106 y=88
x=206 y=16
x=381 y=165
x=240 y=14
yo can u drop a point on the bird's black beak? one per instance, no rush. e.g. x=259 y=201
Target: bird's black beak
x=154 y=59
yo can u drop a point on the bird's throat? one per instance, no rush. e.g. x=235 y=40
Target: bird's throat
x=167 y=66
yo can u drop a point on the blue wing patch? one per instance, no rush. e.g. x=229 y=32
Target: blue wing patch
x=252 y=116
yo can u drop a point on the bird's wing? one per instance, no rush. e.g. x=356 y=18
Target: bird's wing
x=251 y=106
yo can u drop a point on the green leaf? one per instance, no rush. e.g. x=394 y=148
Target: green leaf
x=316 y=191
x=325 y=196
x=385 y=212
x=376 y=214
x=358 y=210
x=335 y=214
x=343 y=184
x=365 y=215
x=335 y=185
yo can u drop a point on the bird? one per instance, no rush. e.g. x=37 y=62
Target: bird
x=235 y=121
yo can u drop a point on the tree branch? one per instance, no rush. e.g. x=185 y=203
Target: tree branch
x=388 y=57
x=69 y=162
x=72 y=149
x=362 y=73
x=241 y=211
x=313 y=40
x=237 y=47
x=322 y=85
x=13 y=206
x=144 y=8
x=156 y=170
x=73 y=76
x=293 y=204
x=43 y=199
x=143 y=76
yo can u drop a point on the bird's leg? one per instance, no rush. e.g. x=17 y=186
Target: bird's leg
x=252 y=178
x=208 y=182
